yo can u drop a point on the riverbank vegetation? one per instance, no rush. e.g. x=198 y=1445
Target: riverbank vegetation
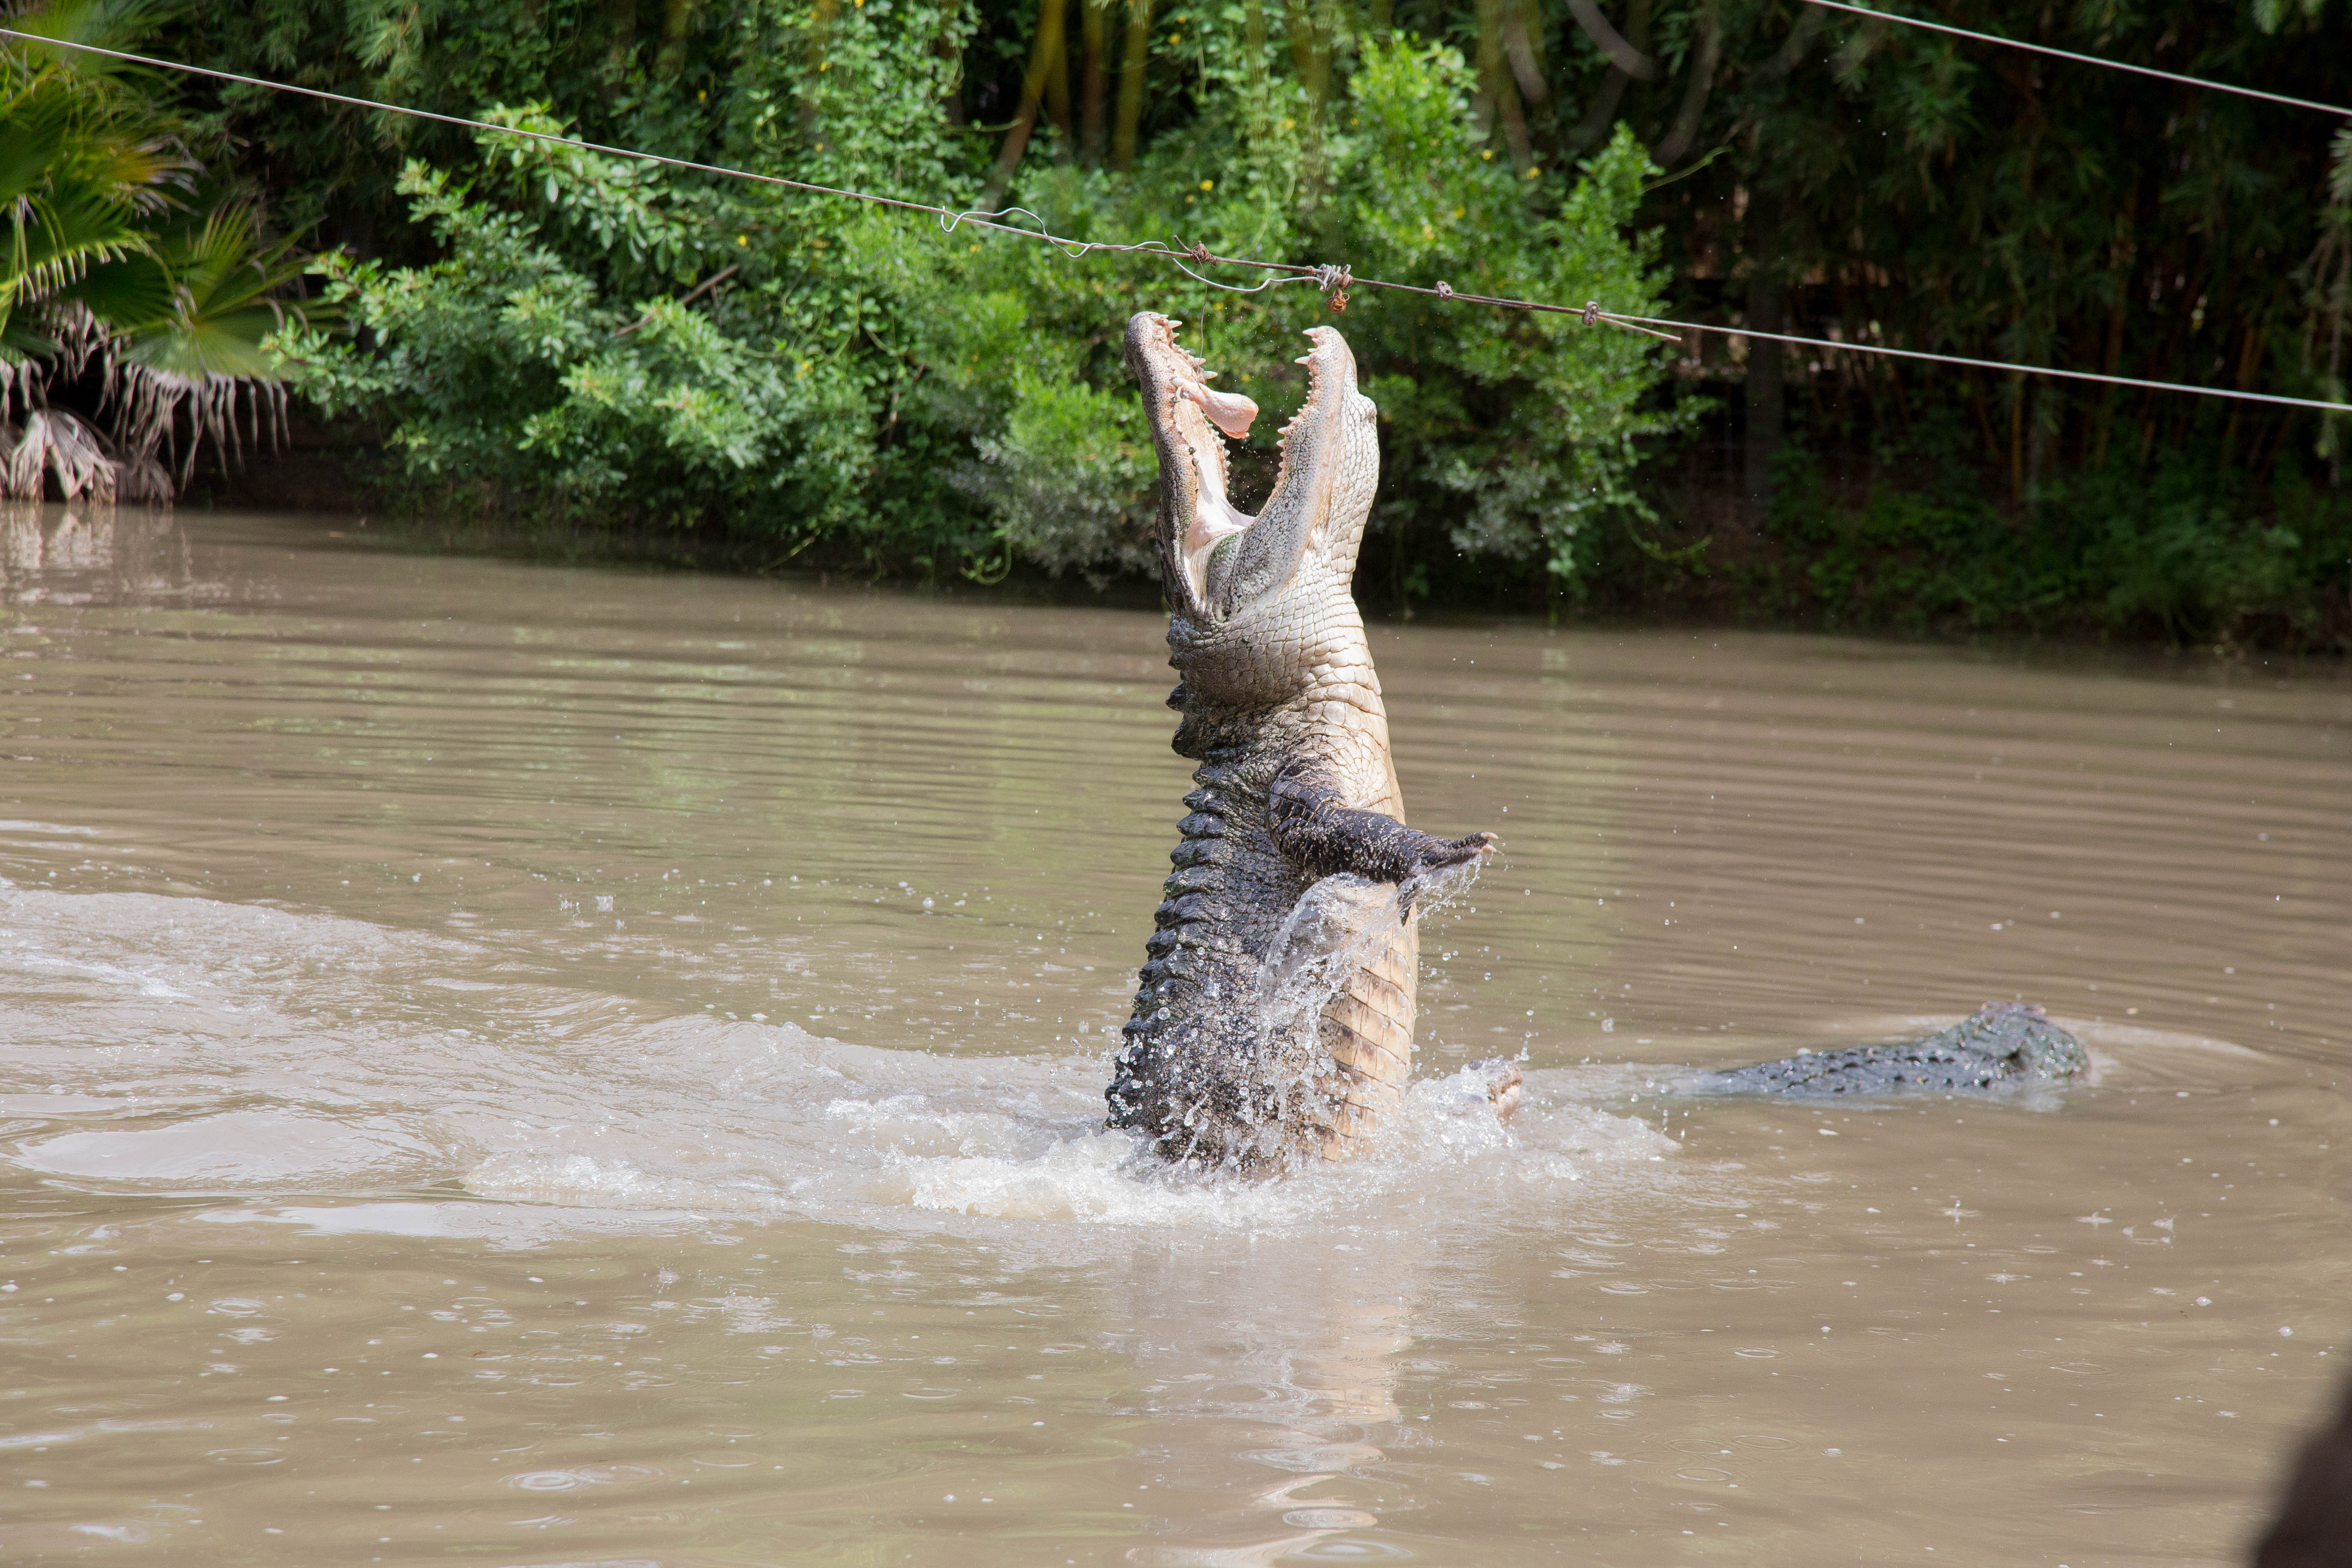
x=133 y=271
x=527 y=333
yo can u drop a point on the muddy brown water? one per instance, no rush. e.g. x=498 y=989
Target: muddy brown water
x=506 y=1064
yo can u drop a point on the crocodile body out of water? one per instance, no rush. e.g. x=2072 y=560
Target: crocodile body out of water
x=2001 y=1045
x=1273 y=1022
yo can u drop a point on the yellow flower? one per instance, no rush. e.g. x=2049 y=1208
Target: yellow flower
x=1208 y=184
x=742 y=240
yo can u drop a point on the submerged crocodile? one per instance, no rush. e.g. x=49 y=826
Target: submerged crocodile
x=1298 y=794
x=2001 y=1045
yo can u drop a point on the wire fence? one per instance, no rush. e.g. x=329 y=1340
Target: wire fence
x=1333 y=281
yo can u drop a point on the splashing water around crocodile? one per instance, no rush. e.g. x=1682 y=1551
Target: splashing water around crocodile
x=1340 y=925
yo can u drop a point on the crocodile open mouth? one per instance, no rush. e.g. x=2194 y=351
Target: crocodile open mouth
x=1184 y=406
x=1329 y=462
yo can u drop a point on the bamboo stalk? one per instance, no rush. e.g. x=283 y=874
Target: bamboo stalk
x=1498 y=85
x=1095 y=80
x=1044 y=63
x=1131 y=83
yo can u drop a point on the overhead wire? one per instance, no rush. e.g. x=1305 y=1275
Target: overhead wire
x=1876 y=16
x=1334 y=281
x=1845 y=346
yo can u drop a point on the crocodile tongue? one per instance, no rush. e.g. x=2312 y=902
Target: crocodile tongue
x=1228 y=411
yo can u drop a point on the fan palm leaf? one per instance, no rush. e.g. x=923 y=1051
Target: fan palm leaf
x=77 y=181
x=198 y=344
x=107 y=251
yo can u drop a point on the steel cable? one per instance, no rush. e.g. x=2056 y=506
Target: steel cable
x=2080 y=59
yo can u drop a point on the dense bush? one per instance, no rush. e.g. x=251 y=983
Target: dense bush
x=2168 y=557
x=860 y=377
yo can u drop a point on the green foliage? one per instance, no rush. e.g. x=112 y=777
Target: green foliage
x=921 y=399
x=508 y=366
x=82 y=168
x=1511 y=432
x=2111 y=555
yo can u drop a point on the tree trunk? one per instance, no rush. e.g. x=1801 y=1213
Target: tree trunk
x=1683 y=134
x=1058 y=81
x=678 y=26
x=621 y=32
x=1045 y=69
x=1629 y=58
x=1497 y=84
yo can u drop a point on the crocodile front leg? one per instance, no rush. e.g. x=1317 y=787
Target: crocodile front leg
x=1324 y=837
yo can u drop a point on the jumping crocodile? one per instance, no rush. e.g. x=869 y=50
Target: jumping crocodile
x=2001 y=1045
x=1297 y=792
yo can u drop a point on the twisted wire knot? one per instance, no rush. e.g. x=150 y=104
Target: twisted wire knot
x=1591 y=313
x=1199 y=253
x=1334 y=280
x=1444 y=289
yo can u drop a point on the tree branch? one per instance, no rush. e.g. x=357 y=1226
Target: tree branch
x=1624 y=55
x=696 y=292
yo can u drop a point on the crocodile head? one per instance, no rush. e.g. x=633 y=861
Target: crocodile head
x=1262 y=603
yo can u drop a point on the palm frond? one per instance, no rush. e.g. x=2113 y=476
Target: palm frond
x=106 y=24
x=205 y=354
x=108 y=253
x=53 y=441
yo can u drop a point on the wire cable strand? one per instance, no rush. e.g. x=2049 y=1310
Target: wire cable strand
x=2084 y=60
x=1333 y=281
x=2225 y=391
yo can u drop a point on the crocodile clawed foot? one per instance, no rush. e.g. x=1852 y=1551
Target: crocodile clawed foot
x=1457 y=852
